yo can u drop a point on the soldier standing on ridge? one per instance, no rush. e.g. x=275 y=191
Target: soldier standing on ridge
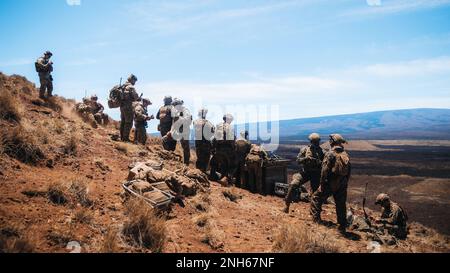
x=243 y=147
x=44 y=67
x=224 y=150
x=393 y=217
x=336 y=170
x=181 y=127
x=255 y=162
x=310 y=159
x=128 y=95
x=164 y=116
x=141 y=118
x=204 y=133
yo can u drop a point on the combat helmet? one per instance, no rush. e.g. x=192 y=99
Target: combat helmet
x=48 y=53
x=314 y=137
x=94 y=97
x=177 y=101
x=132 y=78
x=381 y=198
x=337 y=139
x=228 y=118
x=202 y=112
x=168 y=100
x=146 y=101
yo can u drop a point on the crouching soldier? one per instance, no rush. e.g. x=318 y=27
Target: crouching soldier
x=393 y=217
x=334 y=179
x=44 y=67
x=310 y=159
x=255 y=162
x=97 y=110
x=204 y=132
x=141 y=118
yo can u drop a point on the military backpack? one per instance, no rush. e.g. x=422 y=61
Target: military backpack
x=342 y=164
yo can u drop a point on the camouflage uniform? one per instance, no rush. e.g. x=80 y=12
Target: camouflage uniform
x=140 y=122
x=255 y=161
x=203 y=143
x=97 y=110
x=243 y=147
x=224 y=151
x=333 y=182
x=182 y=120
x=44 y=67
x=393 y=218
x=128 y=96
x=164 y=115
x=310 y=159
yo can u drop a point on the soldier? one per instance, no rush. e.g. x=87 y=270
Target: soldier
x=128 y=95
x=243 y=147
x=224 y=150
x=255 y=161
x=44 y=67
x=141 y=118
x=335 y=174
x=164 y=116
x=182 y=120
x=393 y=217
x=97 y=110
x=204 y=132
x=310 y=159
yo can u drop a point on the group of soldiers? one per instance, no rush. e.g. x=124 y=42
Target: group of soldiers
x=235 y=160
x=329 y=174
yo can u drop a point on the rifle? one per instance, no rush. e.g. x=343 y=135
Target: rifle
x=364 y=207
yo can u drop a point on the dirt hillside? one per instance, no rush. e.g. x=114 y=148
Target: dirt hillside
x=60 y=182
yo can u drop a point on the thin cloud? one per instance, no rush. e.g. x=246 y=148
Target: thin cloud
x=420 y=67
x=395 y=6
x=170 y=18
x=16 y=62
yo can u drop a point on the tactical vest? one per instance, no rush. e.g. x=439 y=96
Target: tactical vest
x=165 y=115
x=342 y=164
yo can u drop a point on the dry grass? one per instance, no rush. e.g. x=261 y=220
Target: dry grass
x=231 y=195
x=59 y=126
x=21 y=144
x=203 y=219
x=213 y=235
x=293 y=239
x=121 y=147
x=144 y=227
x=71 y=146
x=201 y=202
x=83 y=216
x=110 y=242
x=75 y=192
x=9 y=109
x=16 y=245
x=57 y=193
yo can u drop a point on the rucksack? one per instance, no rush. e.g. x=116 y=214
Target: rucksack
x=342 y=164
x=165 y=115
x=115 y=96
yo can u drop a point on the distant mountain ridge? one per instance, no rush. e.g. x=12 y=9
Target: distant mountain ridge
x=422 y=123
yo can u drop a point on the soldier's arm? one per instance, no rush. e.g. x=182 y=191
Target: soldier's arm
x=100 y=108
x=327 y=165
x=158 y=114
x=140 y=114
x=301 y=157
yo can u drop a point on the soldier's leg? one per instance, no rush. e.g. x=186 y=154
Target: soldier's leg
x=243 y=175
x=251 y=177
x=98 y=118
x=340 y=198
x=128 y=124
x=122 y=125
x=296 y=182
x=213 y=170
x=49 y=88
x=42 y=87
x=186 y=151
x=198 y=152
x=105 y=119
x=317 y=200
x=259 y=182
x=314 y=179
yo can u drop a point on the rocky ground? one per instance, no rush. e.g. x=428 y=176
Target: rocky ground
x=60 y=182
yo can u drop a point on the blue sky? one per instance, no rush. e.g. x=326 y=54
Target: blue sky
x=308 y=57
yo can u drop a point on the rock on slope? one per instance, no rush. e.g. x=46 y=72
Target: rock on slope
x=60 y=181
